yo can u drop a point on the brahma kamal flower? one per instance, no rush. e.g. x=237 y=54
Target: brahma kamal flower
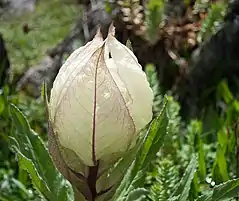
x=99 y=102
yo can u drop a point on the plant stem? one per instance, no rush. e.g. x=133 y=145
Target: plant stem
x=237 y=151
x=91 y=180
x=237 y=148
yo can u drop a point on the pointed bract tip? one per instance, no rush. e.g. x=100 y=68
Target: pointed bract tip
x=98 y=33
x=111 y=29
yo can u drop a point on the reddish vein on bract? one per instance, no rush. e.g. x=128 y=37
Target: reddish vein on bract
x=94 y=108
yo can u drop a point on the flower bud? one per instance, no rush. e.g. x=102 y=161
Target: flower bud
x=99 y=102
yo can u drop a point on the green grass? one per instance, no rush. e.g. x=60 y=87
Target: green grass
x=48 y=24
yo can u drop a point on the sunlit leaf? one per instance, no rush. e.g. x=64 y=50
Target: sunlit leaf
x=183 y=189
x=34 y=158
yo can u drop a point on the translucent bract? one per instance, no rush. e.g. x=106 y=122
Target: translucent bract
x=100 y=100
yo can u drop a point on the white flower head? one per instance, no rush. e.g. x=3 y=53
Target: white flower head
x=100 y=100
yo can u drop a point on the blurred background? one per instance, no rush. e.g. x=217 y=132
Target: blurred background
x=189 y=50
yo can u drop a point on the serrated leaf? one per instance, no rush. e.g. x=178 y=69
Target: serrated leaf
x=38 y=182
x=19 y=120
x=222 y=192
x=32 y=150
x=137 y=194
x=226 y=190
x=184 y=186
x=153 y=141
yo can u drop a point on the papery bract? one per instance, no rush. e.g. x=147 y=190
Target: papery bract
x=99 y=102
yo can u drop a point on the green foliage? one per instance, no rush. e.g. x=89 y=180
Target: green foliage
x=153 y=140
x=137 y=195
x=182 y=191
x=175 y=160
x=147 y=146
x=12 y=189
x=48 y=24
x=222 y=192
x=213 y=20
x=14 y=184
x=220 y=170
x=196 y=144
x=34 y=158
x=154 y=18
x=185 y=140
x=162 y=180
x=154 y=84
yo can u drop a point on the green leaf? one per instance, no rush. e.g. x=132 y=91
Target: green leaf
x=214 y=18
x=35 y=159
x=153 y=140
x=37 y=181
x=120 y=175
x=220 y=169
x=153 y=80
x=45 y=97
x=184 y=186
x=154 y=18
x=174 y=198
x=23 y=189
x=19 y=120
x=226 y=190
x=152 y=143
x=147 y=148
x=137 y=194
x=224 y=92
x=207 y=197
x=2 y=104
x=123 y=187
x=201 y=157
x=137 y=183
